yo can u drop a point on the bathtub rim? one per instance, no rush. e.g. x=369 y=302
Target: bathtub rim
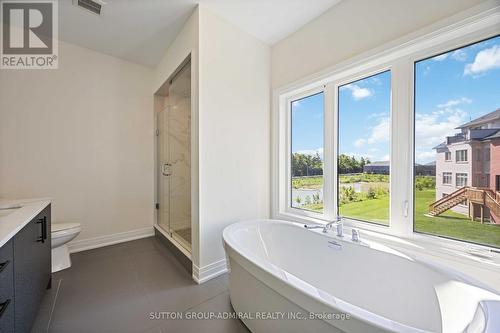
x=265 y=267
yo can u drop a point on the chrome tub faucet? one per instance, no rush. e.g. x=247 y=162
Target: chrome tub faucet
x=338 y=224
x=355 y=235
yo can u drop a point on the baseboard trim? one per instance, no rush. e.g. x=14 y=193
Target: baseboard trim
x=96 y=242
x=210 y=271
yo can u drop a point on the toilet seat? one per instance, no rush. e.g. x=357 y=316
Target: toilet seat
x=64 y=226
x=62 y=229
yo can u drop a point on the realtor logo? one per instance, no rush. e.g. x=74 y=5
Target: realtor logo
x=29 y=34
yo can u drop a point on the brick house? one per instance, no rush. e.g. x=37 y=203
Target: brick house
x=470 y=158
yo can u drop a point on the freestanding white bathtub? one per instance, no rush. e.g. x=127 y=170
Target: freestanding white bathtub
x=285 y=278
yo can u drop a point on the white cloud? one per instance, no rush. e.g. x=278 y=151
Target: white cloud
x=432 y=128
x=425 y=156
x=385 y=158
x=485 y=60
x=440 y=57
x=358 y=92
x=312 y=152
x=459 y=55
x=427 y=70
x=295 y=104
x=379 y=133
x=455 y=102
x=359 y=143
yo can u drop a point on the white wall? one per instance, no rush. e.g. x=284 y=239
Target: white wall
x=186 y=43
x=230 y=128
x=352 y=27
x=82 y=135
x=234 y=133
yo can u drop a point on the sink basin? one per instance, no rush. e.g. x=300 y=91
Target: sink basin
x=4 y=211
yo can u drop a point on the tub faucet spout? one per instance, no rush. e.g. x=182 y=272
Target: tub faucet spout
x=338 y=226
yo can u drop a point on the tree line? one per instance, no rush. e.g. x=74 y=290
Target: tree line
x=312 y=165
x=350 y=164
x=306 y=165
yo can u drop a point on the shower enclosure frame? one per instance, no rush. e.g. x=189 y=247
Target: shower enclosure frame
x=160 y=93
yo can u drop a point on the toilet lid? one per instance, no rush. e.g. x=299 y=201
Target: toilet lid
x=64 y=226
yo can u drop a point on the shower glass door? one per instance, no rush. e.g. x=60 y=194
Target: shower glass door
x=174 y=158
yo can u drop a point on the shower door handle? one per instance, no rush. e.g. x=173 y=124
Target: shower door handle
x=167 y=169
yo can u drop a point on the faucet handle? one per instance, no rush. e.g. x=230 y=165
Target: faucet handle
x=339 y=229
x=355 y=235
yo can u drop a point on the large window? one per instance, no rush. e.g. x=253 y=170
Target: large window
x=364 y=148
x=412 y=152
x=307 y=152
x=457 y=108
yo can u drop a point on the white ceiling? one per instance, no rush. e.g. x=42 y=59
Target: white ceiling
x=142 y=30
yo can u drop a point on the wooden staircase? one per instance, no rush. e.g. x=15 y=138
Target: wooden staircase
x=482 y=196
x=442 y=205
x=492 y=201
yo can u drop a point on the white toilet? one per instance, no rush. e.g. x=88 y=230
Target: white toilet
x=61 y=234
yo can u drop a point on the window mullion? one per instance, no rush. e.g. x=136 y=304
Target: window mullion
x=401 y=148
x=329 y=155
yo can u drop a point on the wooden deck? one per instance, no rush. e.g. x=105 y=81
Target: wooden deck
x=474 y=197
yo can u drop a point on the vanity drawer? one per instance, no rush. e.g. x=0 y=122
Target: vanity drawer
x=6 y=270
x=6 y=288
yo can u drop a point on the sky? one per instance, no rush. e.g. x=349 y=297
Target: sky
x=450 y=89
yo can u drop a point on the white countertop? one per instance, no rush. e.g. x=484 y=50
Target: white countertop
x=15 y=221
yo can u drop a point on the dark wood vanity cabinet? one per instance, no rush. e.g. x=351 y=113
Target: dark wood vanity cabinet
x=30 y=273
x=6 y=288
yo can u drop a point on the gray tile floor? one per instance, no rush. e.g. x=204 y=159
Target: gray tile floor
x=117 y=288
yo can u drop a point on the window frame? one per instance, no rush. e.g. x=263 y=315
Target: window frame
x=458 y=153
x=450 y=174
x=399 y=57
x=462 y=176
x=290 y=100
x=349 y=79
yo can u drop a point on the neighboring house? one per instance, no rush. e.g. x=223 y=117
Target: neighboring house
x=381 y=167
x=470 y=158
x=495 y=167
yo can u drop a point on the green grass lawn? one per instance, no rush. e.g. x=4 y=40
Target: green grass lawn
x=315 y=182
x=374 y=210
x=448 y=224
x=451 y=224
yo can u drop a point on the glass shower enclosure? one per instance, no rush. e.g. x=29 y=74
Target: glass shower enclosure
x=173 y=143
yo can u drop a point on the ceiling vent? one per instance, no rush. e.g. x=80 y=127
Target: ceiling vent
x=92 y=6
